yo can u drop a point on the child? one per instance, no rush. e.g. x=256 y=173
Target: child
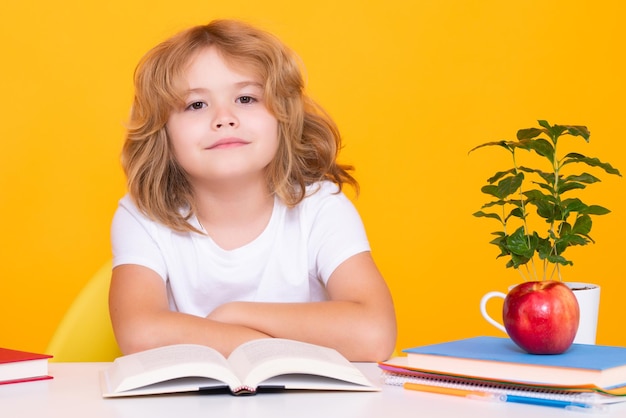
x=235 y=227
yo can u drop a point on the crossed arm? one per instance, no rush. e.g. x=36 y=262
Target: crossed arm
x=358 y=320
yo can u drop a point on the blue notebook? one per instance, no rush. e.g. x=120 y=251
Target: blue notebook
x=500 y=358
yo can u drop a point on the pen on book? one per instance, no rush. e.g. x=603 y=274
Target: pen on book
x=454 y=391
x=489 y=396
x=556 y=403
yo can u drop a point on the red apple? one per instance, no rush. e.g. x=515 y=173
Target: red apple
x=541 y=317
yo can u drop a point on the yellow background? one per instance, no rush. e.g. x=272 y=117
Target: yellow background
x=412 y=84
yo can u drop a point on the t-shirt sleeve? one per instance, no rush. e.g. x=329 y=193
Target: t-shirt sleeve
x=132 y=239
x=337 y=233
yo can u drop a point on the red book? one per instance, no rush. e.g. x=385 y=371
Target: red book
x=21 y=366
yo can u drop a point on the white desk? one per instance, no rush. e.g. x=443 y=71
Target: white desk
x=75 y=392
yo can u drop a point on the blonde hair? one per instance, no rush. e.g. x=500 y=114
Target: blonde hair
x=309 y=140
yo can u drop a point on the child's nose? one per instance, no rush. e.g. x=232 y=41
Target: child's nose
x=224 y=117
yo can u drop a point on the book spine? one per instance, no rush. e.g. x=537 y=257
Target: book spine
x=244 y=390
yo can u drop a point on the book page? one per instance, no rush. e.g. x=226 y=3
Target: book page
x=168 y=363
x=258 y=360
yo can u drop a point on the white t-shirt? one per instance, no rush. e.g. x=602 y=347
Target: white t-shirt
x=290 y=261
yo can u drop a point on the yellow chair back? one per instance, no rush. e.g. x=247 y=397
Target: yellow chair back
x=85 y=332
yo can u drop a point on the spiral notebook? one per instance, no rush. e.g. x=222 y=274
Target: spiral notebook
x=393 y=373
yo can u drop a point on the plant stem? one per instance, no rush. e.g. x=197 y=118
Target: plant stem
x=556 y=168
x=531 y=273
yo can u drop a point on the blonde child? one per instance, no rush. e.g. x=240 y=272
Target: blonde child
x=235 y=226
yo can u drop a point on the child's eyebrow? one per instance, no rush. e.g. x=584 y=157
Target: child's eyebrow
x=249 y=83
x=238 y=85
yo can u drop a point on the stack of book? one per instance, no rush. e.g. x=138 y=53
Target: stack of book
x=585 y=376
x=22 y=366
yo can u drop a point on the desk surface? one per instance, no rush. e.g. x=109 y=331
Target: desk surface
x=75 y=392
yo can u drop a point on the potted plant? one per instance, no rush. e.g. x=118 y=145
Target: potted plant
x=537 y=210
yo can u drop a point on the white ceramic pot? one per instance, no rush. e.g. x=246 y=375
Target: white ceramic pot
x=588 y=297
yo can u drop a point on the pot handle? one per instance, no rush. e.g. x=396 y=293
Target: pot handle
x=483 y=309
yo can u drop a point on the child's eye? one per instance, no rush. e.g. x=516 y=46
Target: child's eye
x=246 y=99
x=196 y=106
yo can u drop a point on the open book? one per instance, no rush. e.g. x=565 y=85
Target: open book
x=265 y=364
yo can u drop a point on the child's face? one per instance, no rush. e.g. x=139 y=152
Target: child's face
x=224 y=131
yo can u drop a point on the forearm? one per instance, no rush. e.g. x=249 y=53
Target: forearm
x=360 y=332
x=141 y=317
x=143 y=332
x=359 y=319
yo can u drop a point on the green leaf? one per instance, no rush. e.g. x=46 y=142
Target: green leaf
x=573 y=239
x=500 y=242
x=491 y=190
x=596 y=210
x=540 y=146
x=511 y=264
x=547 y=177
x=517 y=213
x=510 y=185
x=517 y=260
x=545 y=204
x=481 y=214
x=503 y=144
x=520 y=244
x=569 y=185
x=499 y=175
x=558 y=259
x=495 y=203
x=528 y=133
x=553 y=131
x=545 y=124
x=573 y=205
x=544 y=248
x=546 y=210
x=534 y=195
x=577 y=130
x=574 y=157
x=582 y=226
x=564 y=229
x=582 y=178
x=569 y=239
x=497 y=241
x=548 y=187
